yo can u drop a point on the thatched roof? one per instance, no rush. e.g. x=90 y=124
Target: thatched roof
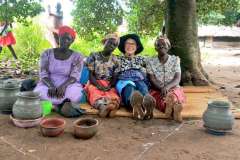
x=218 y=31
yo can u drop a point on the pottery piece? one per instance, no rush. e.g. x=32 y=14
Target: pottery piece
x=52 y=127
x=9 y=90
x=26 y=123
x=27 y=106
x=85 y=128
x=218 y=117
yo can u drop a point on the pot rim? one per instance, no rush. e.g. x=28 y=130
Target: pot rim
x=219 y=103
x=53 y=127
x=21 y=94
x=81 y=119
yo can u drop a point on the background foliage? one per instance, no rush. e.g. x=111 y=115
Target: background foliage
x=95 y=18
x=19 y=10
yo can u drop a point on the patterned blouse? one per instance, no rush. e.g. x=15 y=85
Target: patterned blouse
x=102 y=69
x=133 y=68
x=164 y=72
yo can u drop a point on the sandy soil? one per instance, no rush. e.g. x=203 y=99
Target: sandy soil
x=127 y=139
x=121 y=138
x=223 y=68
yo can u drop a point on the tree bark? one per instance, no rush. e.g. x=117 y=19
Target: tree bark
x=181 y=28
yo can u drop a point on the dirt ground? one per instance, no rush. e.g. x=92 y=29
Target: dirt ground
x=127 y=139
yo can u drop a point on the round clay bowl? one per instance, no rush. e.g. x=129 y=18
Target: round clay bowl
x=52 y=127
x=25 y=123
x=85 y=128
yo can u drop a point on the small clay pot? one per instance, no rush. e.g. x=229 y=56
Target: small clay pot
x=52 y=127
x=85 y=128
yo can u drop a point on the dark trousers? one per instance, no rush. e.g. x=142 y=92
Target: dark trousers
x=129 y=89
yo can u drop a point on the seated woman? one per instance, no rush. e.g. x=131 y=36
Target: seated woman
x=131 y=78
x=100 y=91
x=60 y=70
x=165 y=75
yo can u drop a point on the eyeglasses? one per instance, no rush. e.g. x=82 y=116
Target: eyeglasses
x=129 y=43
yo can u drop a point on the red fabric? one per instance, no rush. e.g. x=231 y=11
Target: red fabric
x=9 y=39
x=66 y=29
x=93 y=93
x=177 y=93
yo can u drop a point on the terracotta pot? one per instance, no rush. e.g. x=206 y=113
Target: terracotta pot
x=52 y=127
x=85 y=128
x=27 y=106
x=218 y=116
x=9 y=90
x=26 y=123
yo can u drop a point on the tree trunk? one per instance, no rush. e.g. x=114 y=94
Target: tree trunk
x=181 y=28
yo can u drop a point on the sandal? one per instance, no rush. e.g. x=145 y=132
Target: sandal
x=115 y=107
x=103 y=111
x=149 y=103
x=136 y=103
x=177 y=109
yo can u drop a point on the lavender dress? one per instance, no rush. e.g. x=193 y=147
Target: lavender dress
x=59 y=71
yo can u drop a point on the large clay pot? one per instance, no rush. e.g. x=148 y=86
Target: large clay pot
x=9 y=90
x=218 y=116
x=27 y=106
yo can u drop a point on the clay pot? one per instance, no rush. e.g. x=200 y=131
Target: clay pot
x=218 y=117
x=85 y=128
x=26 y=123
x=52 y=127
x=27 y=106
x=9 y=90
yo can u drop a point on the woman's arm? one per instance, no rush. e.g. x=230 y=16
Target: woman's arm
x=62 y=88
x=113 y=80
x=93 y=81
x=175 y=81
x=156 y=84
x=77 y=66
x=44 y=74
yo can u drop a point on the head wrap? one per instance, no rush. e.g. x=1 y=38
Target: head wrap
x=111 y=35
x=66 y=29
x=164 y=41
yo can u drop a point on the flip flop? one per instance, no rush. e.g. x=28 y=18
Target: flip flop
x=103 y=111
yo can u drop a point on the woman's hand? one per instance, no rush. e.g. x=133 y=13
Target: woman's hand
x=52 y=92
x=164 y=90
x=107 y=88
x=61 y=91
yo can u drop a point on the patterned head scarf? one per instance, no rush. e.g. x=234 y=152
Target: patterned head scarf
x=111 y=35
x=66 y=29
x=164 y=41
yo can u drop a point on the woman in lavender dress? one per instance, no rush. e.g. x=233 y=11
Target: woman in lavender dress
x=60 y=70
